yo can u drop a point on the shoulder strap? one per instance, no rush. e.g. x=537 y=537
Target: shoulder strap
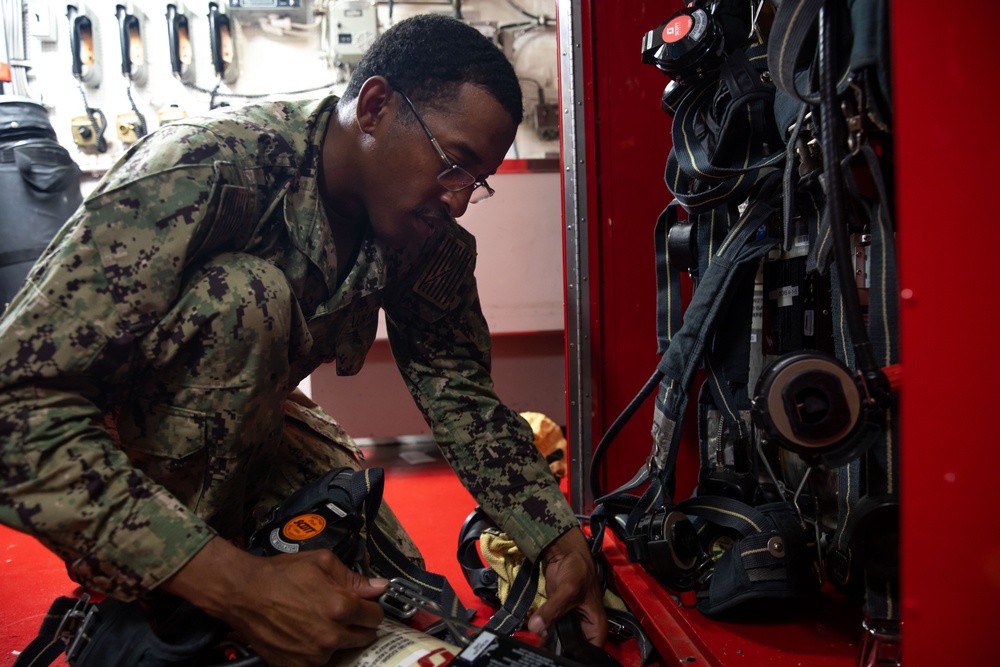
x=745 y=243
x=389 y=560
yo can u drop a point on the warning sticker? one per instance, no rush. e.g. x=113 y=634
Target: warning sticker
x=397 y=645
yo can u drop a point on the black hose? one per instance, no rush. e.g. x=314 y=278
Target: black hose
x=831 y=133
x=98 y=122
x=598 y=457
x=143 y=129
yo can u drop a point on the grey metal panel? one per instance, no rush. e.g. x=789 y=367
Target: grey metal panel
x=573 y=144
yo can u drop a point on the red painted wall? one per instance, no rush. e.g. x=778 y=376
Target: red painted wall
x=946 y=146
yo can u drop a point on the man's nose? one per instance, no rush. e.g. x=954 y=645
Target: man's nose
x=457 y=202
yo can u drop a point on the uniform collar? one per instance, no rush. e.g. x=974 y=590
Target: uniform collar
x=375 y=264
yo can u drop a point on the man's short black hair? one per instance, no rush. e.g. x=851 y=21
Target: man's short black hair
x=428 y=56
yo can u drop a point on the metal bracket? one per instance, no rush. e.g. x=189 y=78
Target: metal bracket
x=75 y=624
x=406 y=597
x=880 y=645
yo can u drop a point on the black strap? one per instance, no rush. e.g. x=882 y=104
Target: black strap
x=512 y=613
x=723 y=135
x=743 y=245
x=390 y=561
x=728 y=513
x=50 y=643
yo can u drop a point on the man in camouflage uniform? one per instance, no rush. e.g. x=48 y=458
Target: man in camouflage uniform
x=147 y=416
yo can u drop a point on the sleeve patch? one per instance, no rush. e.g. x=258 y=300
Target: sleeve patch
x=444 y=273
x=235 y=218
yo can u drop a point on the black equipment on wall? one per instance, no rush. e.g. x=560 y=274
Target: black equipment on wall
x=221 y=40
x=39 y=189
x=179 y=41
x=781 y=160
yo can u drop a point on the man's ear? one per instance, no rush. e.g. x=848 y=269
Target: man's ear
x=374 y=102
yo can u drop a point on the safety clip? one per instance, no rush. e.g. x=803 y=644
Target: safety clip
x=74 y=625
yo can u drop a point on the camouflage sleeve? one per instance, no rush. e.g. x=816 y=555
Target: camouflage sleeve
x=441 y=343
x=71 y=338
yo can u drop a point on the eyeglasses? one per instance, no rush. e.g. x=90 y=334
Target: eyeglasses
x=454 y=178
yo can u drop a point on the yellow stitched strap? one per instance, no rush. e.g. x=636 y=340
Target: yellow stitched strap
x=729 y=512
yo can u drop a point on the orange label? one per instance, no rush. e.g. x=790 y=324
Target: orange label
x=4 y=72
x=304 y=526
x=677 y=28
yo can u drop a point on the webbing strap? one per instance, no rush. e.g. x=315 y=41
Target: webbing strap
x=389 y=560
x=878 y=472
x=510 y=616
x=793 y=30
x=48 y=645
x=723 y=415
x=744 y=244
x=862 y=56
x=789 y=181
x=683 y=355
x=724 y=399
x=728 y=513
x=704 y=196
x=120 y=634
x=739 y=136
x=724 y=134
x=668 y=284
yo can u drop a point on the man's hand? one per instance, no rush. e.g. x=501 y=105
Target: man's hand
x=294 y=610
x=571 y=584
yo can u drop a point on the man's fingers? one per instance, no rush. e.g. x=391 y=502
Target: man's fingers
x=366 y=587
x=550 y=610
x=594 y=629
x=538 y=625
x=367 y=615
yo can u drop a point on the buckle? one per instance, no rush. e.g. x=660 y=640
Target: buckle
x=74 y=626
x=619 y=629
x=399 y=599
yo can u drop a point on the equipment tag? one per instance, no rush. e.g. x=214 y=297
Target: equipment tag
x=304 y=527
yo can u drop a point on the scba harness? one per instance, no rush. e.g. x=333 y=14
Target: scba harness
x=331 y=513
x=782 y=220
x=521 y=593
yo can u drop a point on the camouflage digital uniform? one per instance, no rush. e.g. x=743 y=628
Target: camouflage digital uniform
x=145 y=365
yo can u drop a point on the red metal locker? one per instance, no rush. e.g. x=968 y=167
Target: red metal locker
x=944 y=91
